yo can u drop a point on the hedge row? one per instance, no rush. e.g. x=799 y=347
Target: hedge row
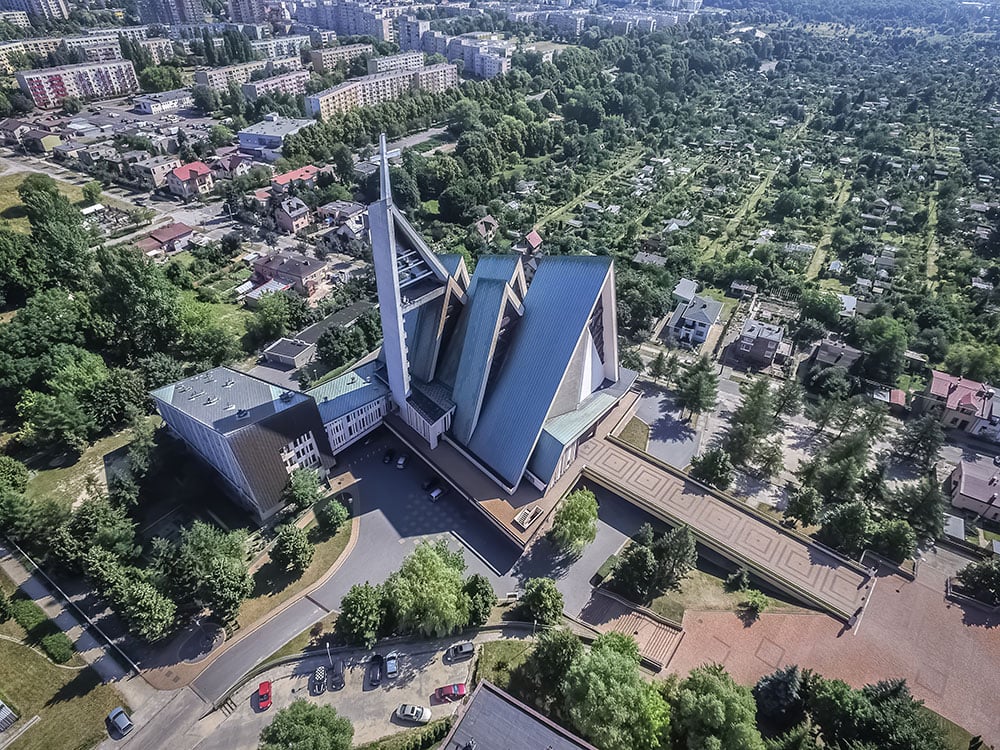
x=417 y=739
x=41 y=630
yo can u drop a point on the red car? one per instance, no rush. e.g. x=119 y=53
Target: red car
x=451 y=692
x=264 y=696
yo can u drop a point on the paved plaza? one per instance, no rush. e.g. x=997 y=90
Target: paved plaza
x=776 y=555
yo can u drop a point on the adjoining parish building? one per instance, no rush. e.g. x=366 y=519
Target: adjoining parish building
x=254 y=434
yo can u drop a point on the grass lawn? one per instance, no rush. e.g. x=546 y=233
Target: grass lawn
x=71 y=702
x=498 y=659
x=10 y=628
x=13 y=212
x=833 y=285
x=273 y=586
x=636 y=433
x=231 y=316
x=954 y=736
x=704 y=589
x=308 y=638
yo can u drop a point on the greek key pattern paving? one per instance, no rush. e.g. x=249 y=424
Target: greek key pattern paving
x=787 y=557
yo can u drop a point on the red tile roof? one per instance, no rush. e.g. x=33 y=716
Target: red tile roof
x=187 y=172
x=962 y=394
x=171 y=232
x=534 y=239
x=302 y=173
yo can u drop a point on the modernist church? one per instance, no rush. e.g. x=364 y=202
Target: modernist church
x=512 y=374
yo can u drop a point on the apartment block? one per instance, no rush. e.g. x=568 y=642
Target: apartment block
x=247 y=11
x=352 y=19
x=282 y=46
x=289 y=83
x=15 y=18
x=51 y=9
x=382 y=87
x=40 y=46
x=392 y=63
x=172 y=12
x=96 y=49
x=326 y=59
x=411 y=32
x=220 y=78
x=47 y=87
x=482 y=54
x=159 y=49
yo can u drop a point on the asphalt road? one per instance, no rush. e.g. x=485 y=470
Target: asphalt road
x=395 y=515
x=670 y=439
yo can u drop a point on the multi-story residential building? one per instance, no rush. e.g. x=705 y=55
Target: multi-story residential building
x=758 y=342
x=165 y=101
x=220 y=78
x=326 y=59
x=322 y=37
x=252 y=433
x=47 y=87
x=349 y=18
x=15 y=18
x=172 y=12
x=247 y=11
x=300 y=271
x=411 y=32
x=97 y=49
x=190 y=180
x=265 y=139
x=281 y=47
x=51 y=9
x=482 y=54
x=152 y=172
x=292 y=215
x=289 y=83
x=40 y=46
x=374 y=89
x=392 y=63
x=159 y=49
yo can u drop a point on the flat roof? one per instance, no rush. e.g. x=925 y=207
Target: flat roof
x=278 y=127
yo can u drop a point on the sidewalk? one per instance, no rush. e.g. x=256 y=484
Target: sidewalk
x=89 y=645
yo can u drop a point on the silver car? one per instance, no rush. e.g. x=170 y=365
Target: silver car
x=414 y=714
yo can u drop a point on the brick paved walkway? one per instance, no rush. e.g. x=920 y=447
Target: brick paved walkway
x=657 y=640
x=780 y=557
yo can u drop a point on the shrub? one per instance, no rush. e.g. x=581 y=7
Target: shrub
x=58 y=647
x=605 y=570
x=754 y=602
x=27 y=614
x=331 y=515
x=5 y=610
x=738 y=580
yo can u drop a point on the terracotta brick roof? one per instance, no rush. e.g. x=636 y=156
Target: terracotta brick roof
x=187 y=172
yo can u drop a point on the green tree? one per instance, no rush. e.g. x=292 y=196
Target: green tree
x=575 y=524
x=845 y=527
x=541 y=601
x=427 y=593
x=754 y=602
x=921 y=440
x=982 y=580
x=788 y=398
x=303 y=490
x=922 y=504
x=307 y=726
x=13 y=475
x=676 y=553
x=636 y=571
x=713 y=467
x=770 y=458
x=207 y=567
x=895 y=539
x=271 y=318
x=711 y=712
x=331 y=515
x=610 y=705
x=158 y=78
x=481 y=597
x=883 y=341
x=147 y=613
x=698 y=387
x=92 y=192
x=780 y=697
x=292 y=549
x=555 y=651
x=820 y=305
x=72 y=105
x=804 y=505
x=362 y=612
x=5 y=611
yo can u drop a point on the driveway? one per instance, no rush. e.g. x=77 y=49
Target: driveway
x=670 y=438
x=395 y=516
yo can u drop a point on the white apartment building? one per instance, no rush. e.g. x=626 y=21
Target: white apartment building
x=52 y=9
x=289 y=83
x=159 y=49
x=219 y=78
x=283 y=46
x=382 y=87
x=352 y=19
x=96 y=49
x=47 y=87
x=15 y=18
x=39 y=46
x=326 y=59
x=391 y=63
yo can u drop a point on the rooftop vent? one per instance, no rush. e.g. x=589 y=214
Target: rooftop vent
x=242 y=414
x=286 y=396
x=228 y=407
x=211 y=400
x=229 y=383
x=196 y=394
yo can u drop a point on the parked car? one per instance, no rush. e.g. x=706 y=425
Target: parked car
x=416 y=714
x=402 y=461
x=120 y=721
x=450 y=693
x=264 y=695
x=460 y=651
x=375 y=670
x=436 y=494
x=319 y=680
x=337 y=675
x=389 y=456
x=391 y=665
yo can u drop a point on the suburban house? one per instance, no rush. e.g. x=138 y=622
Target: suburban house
x=758 y=342
x=189 y=180
x=152 y=172
x=13 y=131
x=166 y=239
x=40 y=141
x=684 y=291
x=300 y=271
x=292 y=215
x=495 y=720
x=692 y=321
x=487 y=228
x=231 y=166
x=975 y=486
x=351 y=219
x=254 y=434
x=963 y=404
x=301 y=177
x=834 y=353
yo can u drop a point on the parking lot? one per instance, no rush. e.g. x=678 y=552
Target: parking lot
x=369 y=708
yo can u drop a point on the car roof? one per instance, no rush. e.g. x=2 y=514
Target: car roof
x=265 y=684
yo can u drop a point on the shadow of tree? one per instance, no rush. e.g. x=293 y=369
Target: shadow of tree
x=84 y=681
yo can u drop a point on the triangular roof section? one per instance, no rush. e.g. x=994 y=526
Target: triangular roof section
x=560 y=300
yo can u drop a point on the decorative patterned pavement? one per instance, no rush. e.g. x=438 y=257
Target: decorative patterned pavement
x=781 y=557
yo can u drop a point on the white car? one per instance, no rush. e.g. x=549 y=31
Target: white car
x=415 y=714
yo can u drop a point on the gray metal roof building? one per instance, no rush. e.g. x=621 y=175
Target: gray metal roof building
x=494 y=720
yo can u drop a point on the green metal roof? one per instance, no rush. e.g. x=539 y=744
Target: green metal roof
x=349 y=392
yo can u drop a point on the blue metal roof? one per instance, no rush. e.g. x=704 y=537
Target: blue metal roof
x=499 y=267
x=349 y=392
x=557 y=310
x=451 y=262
